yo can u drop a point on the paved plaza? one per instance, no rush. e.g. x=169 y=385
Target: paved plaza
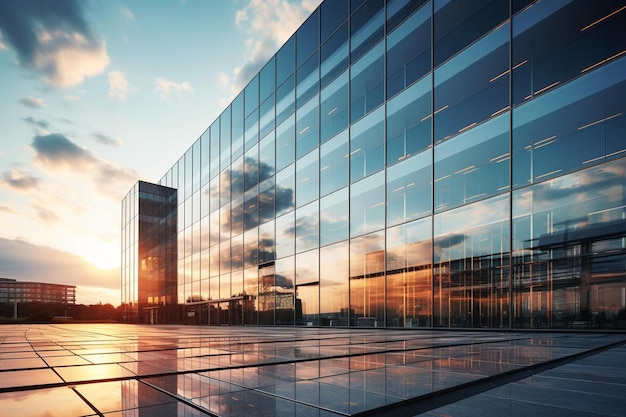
x=129 y=370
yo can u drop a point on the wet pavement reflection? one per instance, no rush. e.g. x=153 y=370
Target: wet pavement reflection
x=129 y=370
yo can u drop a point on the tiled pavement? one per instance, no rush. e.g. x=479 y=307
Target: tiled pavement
x=126 y=370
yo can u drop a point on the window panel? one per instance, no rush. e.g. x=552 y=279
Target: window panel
x=332 y=15
x=334 y=55
x=307 y=227
x=367 y=146
x=409 y=122
x=307 y=179
x=334 y=108
x=367 y=205
x=334 y=221
x=367 y=280
x=408 y=52
x=473 y=165
x=267 y=156
x=334 y=163
x=473 y=86
x=334 y=285
x=285 y=143
x=366 y=83
x=578 y=124
x=308 y=38
x=409 y=189
x=307 y=127
x=366 y=27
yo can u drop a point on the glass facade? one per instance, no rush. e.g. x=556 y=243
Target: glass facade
x=407 y=163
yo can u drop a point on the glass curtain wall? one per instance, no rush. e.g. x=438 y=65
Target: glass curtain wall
x=407 y=163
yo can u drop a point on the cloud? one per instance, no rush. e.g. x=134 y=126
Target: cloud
x=53 y=39
x=48 y=216
x=7 y=209
x=35 y=103
x=20 y=180
x=127 y=14
x=223 y=79
x=23 y=260
x=118 y=86
x=105 y=140
x=268 y=24
x=57 y=151
x=164 y=87
x=71 y=98
x=36 y=122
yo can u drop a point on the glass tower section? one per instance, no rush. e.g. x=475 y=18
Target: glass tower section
x=149 y=247
x=410 y=163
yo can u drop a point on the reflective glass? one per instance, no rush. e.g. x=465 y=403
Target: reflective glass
x=236 y=255
x=224 y=187
x=409 y=121
x=459 y=23
x=225 y=139
x=236 y=216
x=307 y=178
x=285 y=190
x=307 y=126
x=366 y=27
x=307 y=80
x=307 y=227
x=236 y=178
x=590 y=33
x=366 y=83
x=578 y=124
x=334 y=221
x=307 y=301
x=267 y=116
x=214 y=165
x=408 y=52
x=285 y=143
x=266 y=80
x=409 y=189
x=367 y=280
x=334 y=163
x=251 y=167
x=285 y=60
x=237 y=127
x=367 y=145
x=332 y=15
x=334 y=285
x=473 y=86
x=214 y=194
x=285 y=235
x=285 y=100
x=204 y=158
x=568 y=243
x=471 y=253
x=252 y=96
x=398 y=10
x=284 y=291
x=334 y=55
x=266 y=300
x=334 y=108
x=367 y=205
x=267 y=156
x=267 y=242
x=409 y=274
x=251 y=209
x=252 y=129
x=266 y=200
x=473 y=165
x=307 y=38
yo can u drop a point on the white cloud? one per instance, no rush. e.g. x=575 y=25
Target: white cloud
x=223 y=79
x=67 y=58
x=71 y=98
x=118 y=86
x=268 y=24
x=127 y=14
x=164 y=87
x=35 y=103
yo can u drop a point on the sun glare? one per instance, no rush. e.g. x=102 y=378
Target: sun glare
x=99 y=254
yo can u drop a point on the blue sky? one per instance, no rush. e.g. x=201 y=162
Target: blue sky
x=98 y=94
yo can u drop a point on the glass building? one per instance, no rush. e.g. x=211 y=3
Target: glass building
x=403 y=163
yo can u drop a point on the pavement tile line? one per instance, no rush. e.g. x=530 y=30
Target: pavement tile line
x=424 y=403
x=569 y=347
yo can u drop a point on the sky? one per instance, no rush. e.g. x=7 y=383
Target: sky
x=98 y=94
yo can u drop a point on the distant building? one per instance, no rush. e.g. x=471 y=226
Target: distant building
x=12 y=290
x=403 y=163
